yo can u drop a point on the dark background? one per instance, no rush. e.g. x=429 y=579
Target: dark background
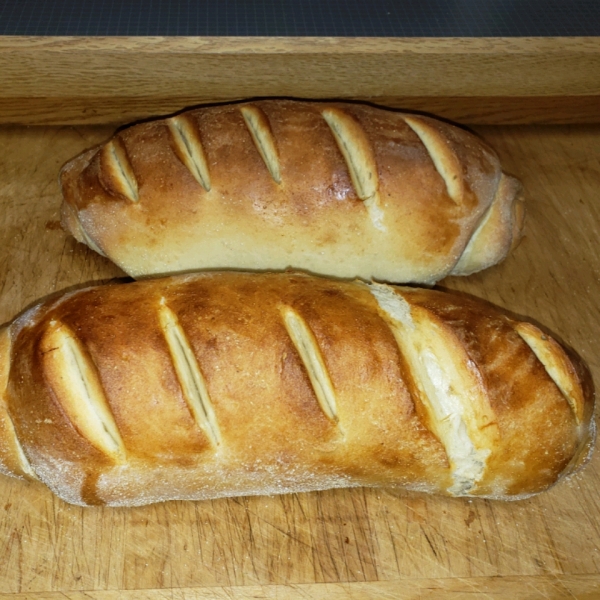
x=336 y=18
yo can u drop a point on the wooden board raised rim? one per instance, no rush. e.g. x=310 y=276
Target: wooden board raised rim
x=57 y=80
x=311 y=45
x=478 y=110
x=517 y=588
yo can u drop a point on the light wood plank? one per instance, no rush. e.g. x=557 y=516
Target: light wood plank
x=56 y=80
x=358 y=542
x=582 y=587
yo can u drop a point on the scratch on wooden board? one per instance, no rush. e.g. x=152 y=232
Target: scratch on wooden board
x=429 y=542
x=476 y=588
x=284 y=532
x=327 y=543
x=252 y=541
x=551 y=546
x=366 y=534
x=392 y=538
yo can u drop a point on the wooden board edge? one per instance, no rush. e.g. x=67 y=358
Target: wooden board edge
x=565 y=110
x=303 y=44
x=62 y=68
x=307 y=44
x=557 y=587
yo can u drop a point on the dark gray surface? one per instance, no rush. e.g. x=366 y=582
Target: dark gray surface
x=337 y=18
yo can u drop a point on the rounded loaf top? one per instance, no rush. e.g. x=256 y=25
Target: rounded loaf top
x=340 y=189
x=220 y=384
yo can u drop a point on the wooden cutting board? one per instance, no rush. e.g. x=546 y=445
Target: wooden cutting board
x=339 y=544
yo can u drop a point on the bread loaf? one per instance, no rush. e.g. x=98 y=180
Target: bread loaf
x=342 y=189
x=221 y=384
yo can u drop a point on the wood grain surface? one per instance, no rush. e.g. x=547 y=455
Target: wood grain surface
x=48 y=80
x=486 y=110
x=338 y=544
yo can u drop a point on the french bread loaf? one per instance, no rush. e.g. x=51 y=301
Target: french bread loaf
x=219 y=384
x=341 y=189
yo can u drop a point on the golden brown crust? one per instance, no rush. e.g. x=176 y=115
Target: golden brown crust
x=342 y=189
x=12 y=459
x=329 y=397
x=538 y=427
x=499 y=231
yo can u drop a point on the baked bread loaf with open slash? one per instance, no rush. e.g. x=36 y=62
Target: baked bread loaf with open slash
x=220 y=384
x=342 y=189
